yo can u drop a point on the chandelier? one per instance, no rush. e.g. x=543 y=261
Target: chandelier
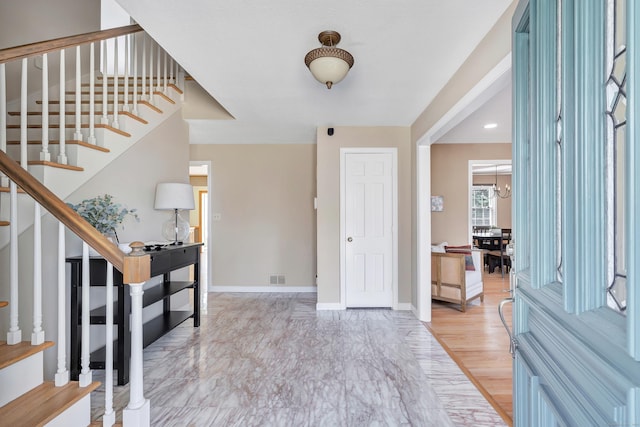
x=329 y=64
x=496 y=189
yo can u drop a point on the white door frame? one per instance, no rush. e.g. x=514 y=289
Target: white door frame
x=470 y=186
x=208 y=224
x=488 y=86
x=394 y=229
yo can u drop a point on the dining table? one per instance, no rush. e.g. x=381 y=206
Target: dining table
x=488 y=241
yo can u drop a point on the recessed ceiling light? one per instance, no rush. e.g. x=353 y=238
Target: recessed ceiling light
x=491 y=125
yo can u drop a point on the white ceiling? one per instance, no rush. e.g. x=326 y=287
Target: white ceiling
x=496 y=110
x=249 y=55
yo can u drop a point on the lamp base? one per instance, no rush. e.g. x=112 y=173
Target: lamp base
x=175 y=229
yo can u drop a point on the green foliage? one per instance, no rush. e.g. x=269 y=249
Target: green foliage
x=103 y=213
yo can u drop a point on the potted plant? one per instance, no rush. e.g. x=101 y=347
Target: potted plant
x=104 y=214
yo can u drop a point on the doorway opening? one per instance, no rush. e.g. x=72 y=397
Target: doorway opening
x=200 y=222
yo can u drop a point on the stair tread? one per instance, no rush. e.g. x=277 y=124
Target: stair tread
x=55 y=165
x=7 y=189
x=4 y=303
x=67 y=142
x=72 y=126
x=4 y=224
x=82 y=113
x=10 y=354
x=42 y=404
x=150 y=105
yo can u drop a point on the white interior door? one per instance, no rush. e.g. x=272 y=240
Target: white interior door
x=368 y=231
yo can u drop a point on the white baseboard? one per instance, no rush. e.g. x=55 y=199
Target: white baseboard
x=414 y=310
x=404 y=306
x=272 y=289
x=330 y=306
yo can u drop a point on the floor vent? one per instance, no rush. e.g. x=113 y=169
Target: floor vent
x=276 y=279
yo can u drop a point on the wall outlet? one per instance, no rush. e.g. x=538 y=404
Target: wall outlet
x=216 y=216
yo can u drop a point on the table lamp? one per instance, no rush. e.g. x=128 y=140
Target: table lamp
x=176 y=197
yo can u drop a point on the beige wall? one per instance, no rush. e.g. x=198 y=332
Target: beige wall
x=450 y=179
x=23 y=22
x=199 y=105
x=264 y=194
x=329 y=203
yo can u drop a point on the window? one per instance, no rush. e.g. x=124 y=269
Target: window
x=483 y=206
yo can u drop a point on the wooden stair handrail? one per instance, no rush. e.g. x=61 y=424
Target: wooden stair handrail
x=61 y=211
x=39 y=48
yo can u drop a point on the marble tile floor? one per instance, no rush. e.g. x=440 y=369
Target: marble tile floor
x=264 y=359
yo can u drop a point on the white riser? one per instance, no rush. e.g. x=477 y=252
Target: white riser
x=25 y=375
x=79 y=414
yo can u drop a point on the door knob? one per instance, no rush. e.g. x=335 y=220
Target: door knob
x=349 y=239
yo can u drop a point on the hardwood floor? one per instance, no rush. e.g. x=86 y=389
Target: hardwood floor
x=478 y=342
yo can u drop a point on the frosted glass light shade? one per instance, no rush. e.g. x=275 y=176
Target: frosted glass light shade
x=173 y=195
x=329 y=69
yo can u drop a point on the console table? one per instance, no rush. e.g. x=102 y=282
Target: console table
x=163 y=261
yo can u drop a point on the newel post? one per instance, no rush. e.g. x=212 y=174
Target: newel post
x=137 y=270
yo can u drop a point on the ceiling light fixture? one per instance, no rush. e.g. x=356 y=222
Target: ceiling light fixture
x=491 y=126
x=496 y=188
x=329 y=64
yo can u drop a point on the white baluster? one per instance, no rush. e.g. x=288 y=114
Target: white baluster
x=4 y=181
x=180 y=77
x=171 y=80
x=151 y=97
x=137 y=411
x=62 y=375
x=135 y=75
x=44 y=153
x=14 y=336
x=166 y=83
x=116 y=96
x=109 y=417
x=62 y=134
x=92 y=94
x=177 y=75
x=144 y=68
x=23 y=114
x=78 y=133
x=158 y=75
x=105 y=118
x=85 y=376
x=125 y=107
x=37 y=336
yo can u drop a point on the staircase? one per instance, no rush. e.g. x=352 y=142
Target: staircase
x=63 y=138
x=21 y=364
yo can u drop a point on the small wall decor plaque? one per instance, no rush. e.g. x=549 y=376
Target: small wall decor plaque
x=437 y=203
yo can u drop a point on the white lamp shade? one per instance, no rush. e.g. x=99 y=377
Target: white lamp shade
x=329 y=69
x=172 y=195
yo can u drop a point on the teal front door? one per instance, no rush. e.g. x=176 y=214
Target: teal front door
x=576 y=161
